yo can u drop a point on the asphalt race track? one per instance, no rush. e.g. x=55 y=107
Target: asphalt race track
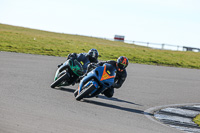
x=29 y=105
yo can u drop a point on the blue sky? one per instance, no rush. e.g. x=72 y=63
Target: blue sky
x=175 y=22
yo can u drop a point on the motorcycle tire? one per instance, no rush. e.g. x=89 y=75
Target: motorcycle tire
x=59 y=80
x=85 y=92
x=75 y=93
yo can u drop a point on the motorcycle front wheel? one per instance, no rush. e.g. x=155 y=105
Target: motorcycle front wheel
x=59 y=80
x=85 y=92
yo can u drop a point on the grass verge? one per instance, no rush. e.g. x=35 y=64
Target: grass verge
x=25 y=40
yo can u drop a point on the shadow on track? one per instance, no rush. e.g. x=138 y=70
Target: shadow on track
x=65 y=89
x=107 y=104
x=117 y=100
x=117 y=107
x=99 y=96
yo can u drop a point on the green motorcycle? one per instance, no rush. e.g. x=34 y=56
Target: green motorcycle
x=67 y=73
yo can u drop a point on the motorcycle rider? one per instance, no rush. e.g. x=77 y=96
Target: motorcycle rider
x=92 y=55
x=121 y=74
x=84 y=58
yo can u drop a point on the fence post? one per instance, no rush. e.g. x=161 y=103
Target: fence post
x=163 y=46
x=147 y=44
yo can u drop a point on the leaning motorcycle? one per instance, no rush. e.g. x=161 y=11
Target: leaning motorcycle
x=96 y=82
x=67 y=73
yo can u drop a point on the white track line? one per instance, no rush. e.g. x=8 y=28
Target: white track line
x=174 y=114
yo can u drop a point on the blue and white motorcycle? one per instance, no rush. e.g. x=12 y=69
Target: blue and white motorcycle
x=96 y=82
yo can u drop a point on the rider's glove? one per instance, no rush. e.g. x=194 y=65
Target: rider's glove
x=60 y=65
x=72 y=56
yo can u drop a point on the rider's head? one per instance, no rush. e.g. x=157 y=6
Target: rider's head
x=93 y=54
x=122 y=63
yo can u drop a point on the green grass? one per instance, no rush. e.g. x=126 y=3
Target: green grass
x=25 y=40
x=197 y=119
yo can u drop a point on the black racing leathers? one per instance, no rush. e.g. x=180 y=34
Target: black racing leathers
x=82 y=55
x=119 y=79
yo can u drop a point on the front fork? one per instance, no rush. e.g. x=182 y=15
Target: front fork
x=93 y=82
x=60 y=69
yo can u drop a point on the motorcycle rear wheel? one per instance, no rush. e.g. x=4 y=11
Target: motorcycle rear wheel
x=59 y=80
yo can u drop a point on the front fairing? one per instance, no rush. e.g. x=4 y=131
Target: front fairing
x=64 y=65
x=72 y=66
x=76 y=67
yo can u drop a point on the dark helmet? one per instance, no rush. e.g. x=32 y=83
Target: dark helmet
x=93 y=54
x=122 y=63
